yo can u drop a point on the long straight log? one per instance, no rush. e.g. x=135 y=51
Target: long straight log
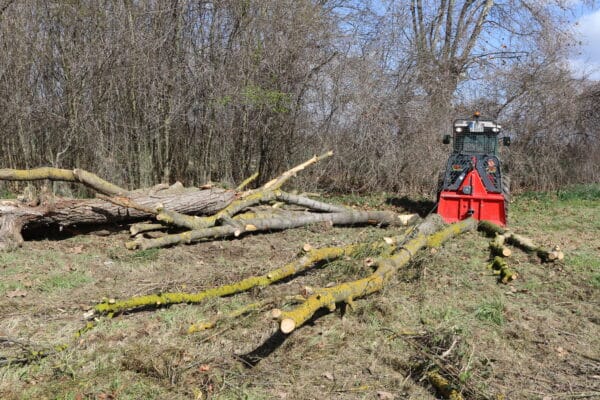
x=272 y=224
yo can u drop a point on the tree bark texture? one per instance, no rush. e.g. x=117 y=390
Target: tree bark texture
x=292 y=220
x=16 y=215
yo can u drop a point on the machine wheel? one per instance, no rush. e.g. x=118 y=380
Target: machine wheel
x=439 y=187
x=506 y=193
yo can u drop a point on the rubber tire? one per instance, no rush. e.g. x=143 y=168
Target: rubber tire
x=439 y=187
x=506 y=193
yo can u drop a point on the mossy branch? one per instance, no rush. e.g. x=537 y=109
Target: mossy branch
x=307 y=260
x=247 y=181
x=386 y=267
x=443 y=386
x=66 y=175
x=500 y=267
x=521 y=242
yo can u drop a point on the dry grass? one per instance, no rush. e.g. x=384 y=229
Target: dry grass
x=539 y=336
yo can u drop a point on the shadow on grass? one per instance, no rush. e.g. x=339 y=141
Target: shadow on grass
x=55 y=232
x=422 y=206
x=252 y=358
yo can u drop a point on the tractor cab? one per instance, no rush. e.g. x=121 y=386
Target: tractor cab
x=472 y=184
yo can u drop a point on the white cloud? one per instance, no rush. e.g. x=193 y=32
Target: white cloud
x=588 y=27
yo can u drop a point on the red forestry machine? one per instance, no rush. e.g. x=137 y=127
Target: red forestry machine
x=473 y=185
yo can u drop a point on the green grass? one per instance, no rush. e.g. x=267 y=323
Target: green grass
x=7 y=286
x=140 y=256
x=584 y=259
x=575 y=195
x=595 y=280
x=449 y=295
x=491 y=311
x=62 y=281
x=145 y=255
x=580 y=192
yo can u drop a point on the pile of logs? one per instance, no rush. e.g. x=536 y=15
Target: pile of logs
x=499 y=250
x=205 y=212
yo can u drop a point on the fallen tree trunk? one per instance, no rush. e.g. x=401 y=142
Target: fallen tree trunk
x=173 y=205
x=17 y=216
x=386 y=267
x=242 y=226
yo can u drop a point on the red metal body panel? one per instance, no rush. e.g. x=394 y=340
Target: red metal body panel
x=457 y=205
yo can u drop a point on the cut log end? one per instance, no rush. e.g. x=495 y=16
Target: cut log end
x=369 y=262
x=10 y=233
x=133 y=245
x=287 y=325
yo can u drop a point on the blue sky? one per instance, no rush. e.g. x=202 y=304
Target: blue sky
x=588 y=27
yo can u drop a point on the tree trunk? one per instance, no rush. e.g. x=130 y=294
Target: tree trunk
x=16 y=215
x=240 y=226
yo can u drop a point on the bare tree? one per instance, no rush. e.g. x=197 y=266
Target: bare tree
x=148 y=92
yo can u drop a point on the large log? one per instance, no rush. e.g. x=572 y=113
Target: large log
x=16 y=215
x=277 y=223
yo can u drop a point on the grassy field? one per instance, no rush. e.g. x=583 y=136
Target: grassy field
x=536 y=338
